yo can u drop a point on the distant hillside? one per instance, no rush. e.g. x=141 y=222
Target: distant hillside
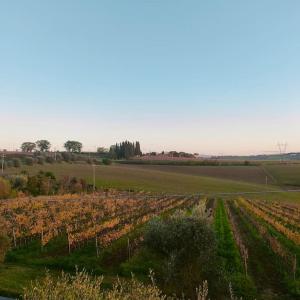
x=275 y=157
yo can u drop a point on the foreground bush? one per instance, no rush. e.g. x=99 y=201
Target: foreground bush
x=82 y=286
x=188 y=247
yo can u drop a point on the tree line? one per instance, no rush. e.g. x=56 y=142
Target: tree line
x=122 y=150
x=45 y=145
x=125 y=150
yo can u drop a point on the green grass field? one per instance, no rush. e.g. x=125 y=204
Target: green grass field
x=158 y=179
x=285 y=174
x=250 y=174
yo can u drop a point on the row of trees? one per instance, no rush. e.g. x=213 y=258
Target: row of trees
x=125 y=150
x=41 y=145
x=121 y=150
x=45 y=145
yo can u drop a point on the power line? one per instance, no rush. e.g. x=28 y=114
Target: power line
x=282 y=149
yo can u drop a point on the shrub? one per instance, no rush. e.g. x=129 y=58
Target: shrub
x=5 y=188
x=49 y=159
x=106 y=161
x=44 y=183
x=29 y=161
x=72 y=185
x=189 y=249
x=18 y=182
x=16 y=162
x=40 y=160
x=82 y=286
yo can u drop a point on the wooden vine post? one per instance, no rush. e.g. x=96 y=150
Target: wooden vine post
x=97 y=247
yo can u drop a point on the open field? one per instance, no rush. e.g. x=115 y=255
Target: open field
x=160 y=179
x=250 y=174
x=285 y=174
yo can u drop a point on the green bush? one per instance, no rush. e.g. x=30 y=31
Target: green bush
x=29 y=161
x=44 y=183
x=189 y=247
x=18 y=182
x=17 y=162
x=106 y=161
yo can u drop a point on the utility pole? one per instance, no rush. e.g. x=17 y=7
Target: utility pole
x=2 y=164
x=94 y=178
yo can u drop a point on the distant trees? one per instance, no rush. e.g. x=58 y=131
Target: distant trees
x=180 y=154
x=137 y=149
x=125 y=150
x=73 y=146
x=102 y=150
x=28 y=146
x=43 y=145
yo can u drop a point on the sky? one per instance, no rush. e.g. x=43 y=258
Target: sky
x=213 y=77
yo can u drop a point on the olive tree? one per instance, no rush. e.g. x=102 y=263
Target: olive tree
x=43 y=145
x=28 y=146
x=188 y=246
x=73 y=146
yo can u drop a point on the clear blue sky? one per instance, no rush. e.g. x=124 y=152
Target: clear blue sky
x=206 y=76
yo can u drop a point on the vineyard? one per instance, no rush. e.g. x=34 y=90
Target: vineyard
x=258 y=241
x=267 y=236
x=103 y=217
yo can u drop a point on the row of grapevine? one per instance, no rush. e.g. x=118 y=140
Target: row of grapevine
x=289 y=258
x=254 y=208
x=104 y=216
